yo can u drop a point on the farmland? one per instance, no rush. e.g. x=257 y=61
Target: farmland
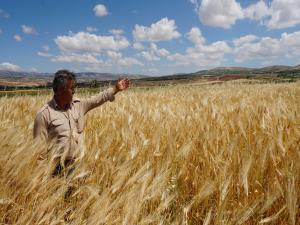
x=190 y=154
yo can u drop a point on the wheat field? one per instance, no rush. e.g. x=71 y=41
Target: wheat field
x=218 y=154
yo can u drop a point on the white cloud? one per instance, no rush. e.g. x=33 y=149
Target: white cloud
x=97 y=68
x=86 y=42
x=4 y=14
x=28 y=30
x=245 y=39
x=267 y=49
x=115 y=58
x=195 y=36
x=44 y=54
x=284 y=14
x=77 y=59
x=149 y=56
x=151 y=71
x=292 y=40
x=277 y=14
x=116 y=32
x=162 y=30
x=91 y=29
x=245 y=49
x=17 y=37
x=129 y=61
x=114 y=55
x=138 y=46
x=9 y=66
x=46 y=48
x=154 y=53
x=157 y=51
x=196 y=3
x=118 y=59
x=84 y=48
x=219 y=13
x=201 y=54
x=33 y=69
x=257 y=11
x=100 y=10
x=291 y=44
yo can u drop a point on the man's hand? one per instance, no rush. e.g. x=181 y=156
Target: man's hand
x=121 y=85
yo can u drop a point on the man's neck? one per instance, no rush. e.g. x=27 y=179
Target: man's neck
x=62 y=105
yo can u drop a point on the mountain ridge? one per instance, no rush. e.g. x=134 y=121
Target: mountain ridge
x=89 y=76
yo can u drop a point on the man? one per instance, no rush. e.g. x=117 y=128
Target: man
x=61 y=121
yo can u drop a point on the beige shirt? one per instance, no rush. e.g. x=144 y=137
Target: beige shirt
x=63 y=130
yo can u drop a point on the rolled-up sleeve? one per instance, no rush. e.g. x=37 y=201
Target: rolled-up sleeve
x=40 y=127
x=97 y=100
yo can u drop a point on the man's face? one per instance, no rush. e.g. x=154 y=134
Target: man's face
x=66 y=94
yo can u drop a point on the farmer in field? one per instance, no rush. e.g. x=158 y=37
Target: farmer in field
x=61 y=121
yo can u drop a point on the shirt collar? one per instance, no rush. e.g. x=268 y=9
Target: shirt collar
x=55 y=105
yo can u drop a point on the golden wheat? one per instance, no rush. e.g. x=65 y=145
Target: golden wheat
x=220 y=154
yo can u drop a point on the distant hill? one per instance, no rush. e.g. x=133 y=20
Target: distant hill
x=88 y=76
x=82 y=76
x=297 y=67
x=10 y=80
x=245 y=70
x=230 y=73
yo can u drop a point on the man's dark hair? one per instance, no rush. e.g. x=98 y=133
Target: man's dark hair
x=61 y=78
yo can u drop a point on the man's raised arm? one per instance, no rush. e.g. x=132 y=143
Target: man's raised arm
x=106 y=95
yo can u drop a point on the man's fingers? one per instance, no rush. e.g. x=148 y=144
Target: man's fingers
x=125 y=80
x=123 y=83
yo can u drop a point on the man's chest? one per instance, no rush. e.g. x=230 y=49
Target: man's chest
x=65 y=123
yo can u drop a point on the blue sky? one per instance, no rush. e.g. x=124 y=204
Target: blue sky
x=154 y=37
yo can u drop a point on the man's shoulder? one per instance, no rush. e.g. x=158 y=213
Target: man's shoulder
x=76 y=100
x=42 y=114
x=44 y=109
